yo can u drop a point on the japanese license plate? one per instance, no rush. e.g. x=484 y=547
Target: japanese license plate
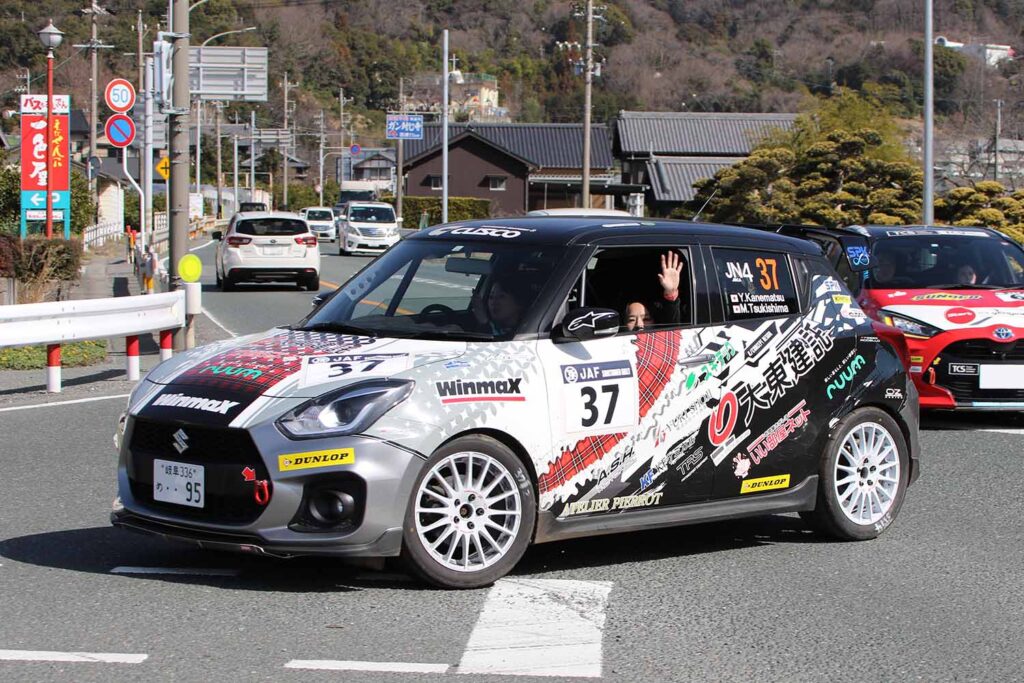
x=179 y=483
x=276 y=250
x=1001 y=377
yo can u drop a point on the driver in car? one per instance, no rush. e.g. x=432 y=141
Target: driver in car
x=504 y=307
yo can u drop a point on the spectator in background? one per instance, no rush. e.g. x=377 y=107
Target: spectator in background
x=131 y=242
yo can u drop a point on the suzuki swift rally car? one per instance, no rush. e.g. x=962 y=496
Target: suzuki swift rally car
x=472 y=392
x=958 y=296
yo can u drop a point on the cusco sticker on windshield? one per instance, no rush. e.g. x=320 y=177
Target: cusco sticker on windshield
x=481 y=231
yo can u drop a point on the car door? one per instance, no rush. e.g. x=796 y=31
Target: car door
x=761 y=430
x=623 y=410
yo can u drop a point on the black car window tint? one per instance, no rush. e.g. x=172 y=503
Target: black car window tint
x=271 y=227
x=755 y=283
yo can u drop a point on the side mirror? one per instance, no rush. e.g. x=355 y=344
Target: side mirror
x=581 y=324
x=218 y=235
x=400 y=219
x=318 y=299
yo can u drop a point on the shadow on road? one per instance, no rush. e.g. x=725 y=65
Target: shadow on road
x=98 y=550
x=99 y=376
x=958 y=421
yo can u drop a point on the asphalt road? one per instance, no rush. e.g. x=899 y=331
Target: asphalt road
x=935 y=598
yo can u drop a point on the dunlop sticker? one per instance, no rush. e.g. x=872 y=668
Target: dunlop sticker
x=313 y=459
x=779 y=481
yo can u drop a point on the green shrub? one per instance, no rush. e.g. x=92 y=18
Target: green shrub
x=75 y=354
x=37 y=258
x=459 y=209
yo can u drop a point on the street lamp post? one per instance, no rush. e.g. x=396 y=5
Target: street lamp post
x=51 y=38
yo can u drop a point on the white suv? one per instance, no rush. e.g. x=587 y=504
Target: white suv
x=267 y=246
x=367 y=226
x=321 y=221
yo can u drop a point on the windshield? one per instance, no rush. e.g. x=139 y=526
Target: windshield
x=967 y=261
x=371 y=214
x=252 y=206
x=271 y=227
x=320 y=215
x=441 y=290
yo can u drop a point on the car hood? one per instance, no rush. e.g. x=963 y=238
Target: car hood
x=373 y=224
x=284 y=363
x=954 y=309
x=321 y=224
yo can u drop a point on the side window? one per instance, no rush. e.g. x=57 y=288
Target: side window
x=755 y=283
x=650 y=287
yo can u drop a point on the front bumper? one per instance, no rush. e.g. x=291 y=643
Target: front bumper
x=947 y=370
x=230 y=520
x=324 y=233
x=355 y=242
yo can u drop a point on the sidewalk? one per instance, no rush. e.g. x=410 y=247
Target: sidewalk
x=106 y=273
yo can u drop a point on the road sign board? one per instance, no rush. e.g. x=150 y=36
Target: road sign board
x=120 y=130
x=404 y=127
x=37 y=200
x=119 y=95
x=36 y=164
x=163 y=167
x=354 y=150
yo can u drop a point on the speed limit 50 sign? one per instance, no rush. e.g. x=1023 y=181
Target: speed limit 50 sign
x=119 y=95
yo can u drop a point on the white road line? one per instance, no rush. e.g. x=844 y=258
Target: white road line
x=390 y=667
x=165 y=259
x=1016 y=432
x=63 y=403
x=539 y=627
x=94 y=657
x=179 y=571
x=216 y=322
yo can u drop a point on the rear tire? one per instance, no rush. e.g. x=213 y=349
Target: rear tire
x=313 y=283
x=470 y=516
x=863 y=477
x=227 y=284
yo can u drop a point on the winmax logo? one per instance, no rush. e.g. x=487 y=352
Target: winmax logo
x=458 y=391
x=780 y=481
x=210 y=405
x=313 y=459
x=231 y=371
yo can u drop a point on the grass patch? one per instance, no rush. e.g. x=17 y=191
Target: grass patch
x=75 y=354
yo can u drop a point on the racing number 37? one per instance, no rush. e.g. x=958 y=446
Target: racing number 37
x=591 y=409
x=769 y=277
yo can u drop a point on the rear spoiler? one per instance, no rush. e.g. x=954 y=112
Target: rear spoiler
x=836 y=243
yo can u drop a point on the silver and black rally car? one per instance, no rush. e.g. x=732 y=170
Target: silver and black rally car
x=487 y=385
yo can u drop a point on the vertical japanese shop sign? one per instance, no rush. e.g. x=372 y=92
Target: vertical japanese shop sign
x=33 y=156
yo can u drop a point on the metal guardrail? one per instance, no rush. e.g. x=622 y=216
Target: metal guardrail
x=58 y=322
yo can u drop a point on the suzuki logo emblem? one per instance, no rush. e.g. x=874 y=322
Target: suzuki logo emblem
x=180 y=441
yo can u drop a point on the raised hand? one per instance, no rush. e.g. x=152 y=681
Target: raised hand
x=671 y=267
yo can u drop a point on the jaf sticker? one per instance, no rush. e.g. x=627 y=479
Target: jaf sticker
x=323 y=369
x=599 y=397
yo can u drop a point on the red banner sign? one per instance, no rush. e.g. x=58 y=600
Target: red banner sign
x=33 y=152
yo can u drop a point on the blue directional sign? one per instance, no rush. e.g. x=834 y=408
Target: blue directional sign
x=32 y=199
x=404 y=127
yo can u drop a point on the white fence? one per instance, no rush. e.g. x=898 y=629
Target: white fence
x=97 y=235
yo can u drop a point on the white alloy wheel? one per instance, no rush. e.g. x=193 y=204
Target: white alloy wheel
x=867 y=475
x=468 y=511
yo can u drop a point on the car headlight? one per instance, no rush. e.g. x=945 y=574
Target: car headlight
x=909 y=326
x=350 y=410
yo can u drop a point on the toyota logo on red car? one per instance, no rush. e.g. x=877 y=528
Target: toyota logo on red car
x=957 y=294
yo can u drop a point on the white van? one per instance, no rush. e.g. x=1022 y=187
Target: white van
x=367 y=226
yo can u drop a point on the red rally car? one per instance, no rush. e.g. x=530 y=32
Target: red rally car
x=957 y=294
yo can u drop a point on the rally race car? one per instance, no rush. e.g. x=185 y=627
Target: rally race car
x=958 y=296
x=472 y=391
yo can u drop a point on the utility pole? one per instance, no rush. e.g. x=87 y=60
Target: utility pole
x=147 y=155
x=588 y=81
x=287 y=106
x=999 y=132
x=93 y=11
x=399 y=180
x=220 y=173
x=234 y=174
x=929 y=106
x=252 y=155
x=178 y=125
x=342 y=100
x=320 y=159
x=141 y=64
x=444 y=131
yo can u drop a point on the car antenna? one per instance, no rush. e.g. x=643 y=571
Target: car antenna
x=703 y=206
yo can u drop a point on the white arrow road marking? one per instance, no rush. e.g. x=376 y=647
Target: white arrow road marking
x=179 y=571
x=528 y=627
x=46 y=656
x=539 y=627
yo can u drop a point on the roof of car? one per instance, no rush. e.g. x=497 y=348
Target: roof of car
x=585 y=230
x=366 y=202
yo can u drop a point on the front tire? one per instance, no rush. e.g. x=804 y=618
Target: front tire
x=863 y=477
x=470 y=516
